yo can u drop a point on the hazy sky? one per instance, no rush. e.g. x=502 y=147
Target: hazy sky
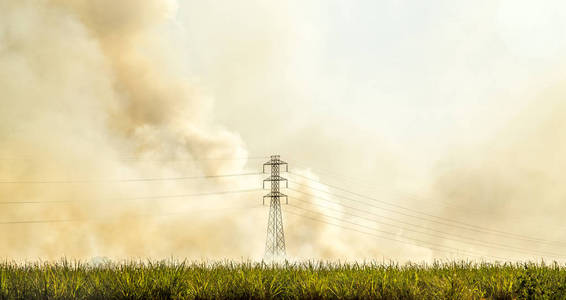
x=451 y=109
x=382 y=77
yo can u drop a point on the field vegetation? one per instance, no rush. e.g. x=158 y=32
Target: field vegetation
x=166 y=280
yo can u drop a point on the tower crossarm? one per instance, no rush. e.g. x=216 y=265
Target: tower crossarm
x=275 y=161
x=274 y=195
x=275 y=178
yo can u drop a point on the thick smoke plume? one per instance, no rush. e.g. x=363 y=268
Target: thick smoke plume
x=89 y=93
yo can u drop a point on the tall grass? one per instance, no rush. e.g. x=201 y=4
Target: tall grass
x=310 y=280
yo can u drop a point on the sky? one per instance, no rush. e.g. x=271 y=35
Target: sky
x=445 y=117
x=383 y=77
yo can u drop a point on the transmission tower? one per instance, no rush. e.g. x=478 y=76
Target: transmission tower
x=275 y=241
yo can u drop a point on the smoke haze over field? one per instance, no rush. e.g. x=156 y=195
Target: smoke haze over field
x=79 y=95
x=441 y=108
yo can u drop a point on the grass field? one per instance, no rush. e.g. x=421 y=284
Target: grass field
x=66 y=280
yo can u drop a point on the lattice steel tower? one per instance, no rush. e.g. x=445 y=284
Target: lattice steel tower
x=275 y=241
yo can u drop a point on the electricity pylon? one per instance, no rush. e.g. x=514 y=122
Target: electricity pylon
x=275 y=241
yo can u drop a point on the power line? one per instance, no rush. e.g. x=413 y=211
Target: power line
x=470 y=228
x=127 y=179
x=336 y=177
x=460 y=239
x=446 y=204
x=133 y=158
x=194 y=195
x=138 y=197
x=194 y=159
x=416 y=241
x=44 y=221
x=371 y=187
x=456 y=223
